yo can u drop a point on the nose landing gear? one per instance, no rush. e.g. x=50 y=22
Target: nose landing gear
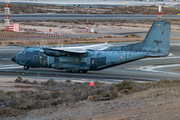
x=26 y=67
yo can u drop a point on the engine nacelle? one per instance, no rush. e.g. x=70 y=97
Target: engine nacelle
x=70 y=66
x=55 y=53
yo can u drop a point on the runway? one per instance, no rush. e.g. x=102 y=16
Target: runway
x=148 y=69
x=84 y=16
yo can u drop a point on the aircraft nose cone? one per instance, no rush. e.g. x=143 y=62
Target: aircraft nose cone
x=13 y=58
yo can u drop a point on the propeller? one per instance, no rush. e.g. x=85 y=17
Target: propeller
x=43 y=44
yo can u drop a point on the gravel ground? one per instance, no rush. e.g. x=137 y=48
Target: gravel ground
x=162 y=103
x=156 y=103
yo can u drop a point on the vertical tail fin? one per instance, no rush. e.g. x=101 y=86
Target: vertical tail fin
x=157 y=40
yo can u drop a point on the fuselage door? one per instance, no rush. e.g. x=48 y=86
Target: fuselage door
x=50 y=60
x=35 y=58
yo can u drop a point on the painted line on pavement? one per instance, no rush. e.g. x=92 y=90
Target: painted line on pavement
x=152 y=68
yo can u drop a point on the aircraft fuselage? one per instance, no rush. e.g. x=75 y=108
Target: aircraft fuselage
x=95 y=61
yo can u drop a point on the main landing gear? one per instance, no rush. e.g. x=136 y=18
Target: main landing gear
x=71 y=71
x=26 y=67
x=84 y=71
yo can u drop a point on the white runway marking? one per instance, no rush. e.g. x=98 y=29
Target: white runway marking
x=161 y=58
x=170 y=56
x=12 y=66
x=2 y=65
x=10 y=49
x=152 y=68
x=5 y=58
x=175 y=44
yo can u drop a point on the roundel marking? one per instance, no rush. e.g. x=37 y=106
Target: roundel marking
x=121 y=57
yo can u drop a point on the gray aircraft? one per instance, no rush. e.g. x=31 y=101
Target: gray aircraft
x=97 y=57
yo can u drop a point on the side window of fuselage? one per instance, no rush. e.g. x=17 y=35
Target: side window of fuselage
x=35 y=57
x=84 y=60
x=50 y=60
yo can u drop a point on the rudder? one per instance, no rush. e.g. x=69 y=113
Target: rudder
x=157 y=40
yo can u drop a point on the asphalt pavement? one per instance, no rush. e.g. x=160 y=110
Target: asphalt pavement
x=84 y=16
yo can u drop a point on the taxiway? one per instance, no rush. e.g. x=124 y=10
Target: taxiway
x=84 y=16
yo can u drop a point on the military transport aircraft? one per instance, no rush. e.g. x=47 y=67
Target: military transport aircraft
x=97 y=57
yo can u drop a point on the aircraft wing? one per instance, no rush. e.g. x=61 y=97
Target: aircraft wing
x=74 y=50
x=83 y=49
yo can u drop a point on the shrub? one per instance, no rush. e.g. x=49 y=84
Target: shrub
x=26 y=81
x=10 y=92
x=128 y=86
x=50 y=82
x=77 y=83
x=68 y=81
x=18 y=80
x=34 y=82
x=124 y=85
x=8 y=112
x=41 y=96
x=56 y=94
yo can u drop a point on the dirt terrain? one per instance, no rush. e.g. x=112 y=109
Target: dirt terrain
x=31 y=9
x=158 y=100
x=75 y=32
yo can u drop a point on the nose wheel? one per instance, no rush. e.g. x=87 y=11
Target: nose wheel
x=26 y=67
x=84 y=71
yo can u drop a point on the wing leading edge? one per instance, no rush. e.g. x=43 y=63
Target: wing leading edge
x=74 y=50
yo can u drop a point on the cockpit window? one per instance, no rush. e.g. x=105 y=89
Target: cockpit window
x=29 y=49
x=23 y=52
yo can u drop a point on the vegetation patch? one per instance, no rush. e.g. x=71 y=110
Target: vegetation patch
x=176 y=70
x=132 y=36
x=52 y=93
x=30 y=9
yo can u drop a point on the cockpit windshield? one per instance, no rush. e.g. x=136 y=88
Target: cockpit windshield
x=29 y=49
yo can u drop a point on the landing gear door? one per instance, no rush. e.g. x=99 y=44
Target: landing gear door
x=35 y=60
x=93 y=63
x=88 y=61
x=97 y=62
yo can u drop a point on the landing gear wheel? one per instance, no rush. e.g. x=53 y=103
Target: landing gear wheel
x=69 y=71
x=26 y=67
x=84 y=71
x=77 y=71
